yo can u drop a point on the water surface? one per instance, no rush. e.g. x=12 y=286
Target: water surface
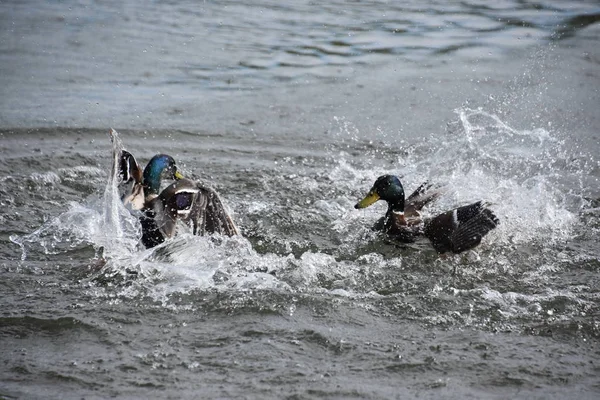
x=291 y=110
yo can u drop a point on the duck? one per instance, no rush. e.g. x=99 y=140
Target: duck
x=194 y=204
x=453 y=231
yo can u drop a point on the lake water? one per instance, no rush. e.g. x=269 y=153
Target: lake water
x=291 y=109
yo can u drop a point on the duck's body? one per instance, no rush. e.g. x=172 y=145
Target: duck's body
x=192 y=203
x=453 y=231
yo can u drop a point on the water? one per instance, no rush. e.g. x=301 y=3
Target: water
x=291 y=110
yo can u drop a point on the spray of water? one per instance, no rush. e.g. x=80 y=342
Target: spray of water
x=103 y=222
x=480 y=158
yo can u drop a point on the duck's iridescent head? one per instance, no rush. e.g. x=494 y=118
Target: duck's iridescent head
x=160 y=166
x=387 y=188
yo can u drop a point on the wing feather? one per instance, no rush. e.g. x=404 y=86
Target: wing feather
x=473 y=225
x=198 y=206
x=420 y=198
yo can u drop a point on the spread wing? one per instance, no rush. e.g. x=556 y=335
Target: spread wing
x=129 y=170
x=126 y=168
x=460 y=229
x=425 y=194
x=473 y=222
x=198 y=206
x=131 y=181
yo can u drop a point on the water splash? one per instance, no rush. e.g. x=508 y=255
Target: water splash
x=104 y=223
x=480 y=158
x=523 y=174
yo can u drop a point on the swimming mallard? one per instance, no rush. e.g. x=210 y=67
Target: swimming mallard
x=193 y=203
x=455 y=230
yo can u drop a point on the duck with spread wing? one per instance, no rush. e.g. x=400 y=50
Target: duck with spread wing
x=190 y=202
x=453 y=231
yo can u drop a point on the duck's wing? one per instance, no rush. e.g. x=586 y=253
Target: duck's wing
x=197 y=205
x=131 y=181
x=425 y=194
x=127 y=171
x=475 y=222
x=215 y=217
x=460 y=229
x=155 y=223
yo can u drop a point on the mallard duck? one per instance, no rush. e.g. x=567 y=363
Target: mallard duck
x=454 y=231
x=185 y=200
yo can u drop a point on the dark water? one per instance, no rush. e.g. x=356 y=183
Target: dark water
x=291 y=110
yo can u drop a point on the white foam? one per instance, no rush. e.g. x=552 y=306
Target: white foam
x=482 y=158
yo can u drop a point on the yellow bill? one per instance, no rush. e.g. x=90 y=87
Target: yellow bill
x=178 y=175
x=369 y=199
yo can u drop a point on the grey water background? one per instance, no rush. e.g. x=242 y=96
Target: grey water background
x=291 y=109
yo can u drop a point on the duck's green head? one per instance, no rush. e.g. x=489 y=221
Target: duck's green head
x=387 y=188
x=160 y=166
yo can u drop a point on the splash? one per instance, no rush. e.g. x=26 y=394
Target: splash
x=105 y=223
x=517 y=171
x=523 y=174
x=480 y=158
